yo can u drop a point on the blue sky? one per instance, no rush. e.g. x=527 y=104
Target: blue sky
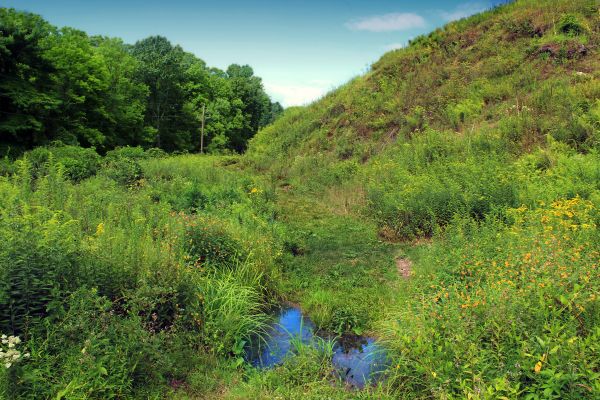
x=301 y=49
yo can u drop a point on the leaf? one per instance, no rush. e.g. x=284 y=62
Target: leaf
x=540 y=341
x=239 y=362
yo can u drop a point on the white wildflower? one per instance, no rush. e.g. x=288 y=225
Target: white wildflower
x=9 y=355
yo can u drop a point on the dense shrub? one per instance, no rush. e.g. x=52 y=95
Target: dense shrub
x=422 y=188
x=96 y=354
x=99 y=266
x=569 y=24
x=6 y=167
x=38 y=264
x=516 y=303
x=78 y=162
x=208 y=242
x=483 y=136
x=123 y=165
x=463 y=111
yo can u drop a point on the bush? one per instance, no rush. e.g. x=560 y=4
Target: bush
x=570 y=24
x=517 y=303
x=7 y=167
x=78 y=163
x=466 y=109
x=123 y=165
x=92 y=353
x=436 y=186
x=38 y=264
x=209 y=243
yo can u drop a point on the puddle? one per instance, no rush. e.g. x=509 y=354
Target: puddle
x=288 y=324
x=358 y=360
x=360 y=363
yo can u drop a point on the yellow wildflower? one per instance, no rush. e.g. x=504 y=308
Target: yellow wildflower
x=100 y=229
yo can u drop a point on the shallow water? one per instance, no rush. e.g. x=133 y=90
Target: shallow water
x=363 y=362
x=358 y=360
x=288 y=324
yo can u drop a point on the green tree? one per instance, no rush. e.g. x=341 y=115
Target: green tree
x=125 y=99
x=162 y=70
x=26 y=92
x=81 y=79
x=249 y=89
x=98 y=92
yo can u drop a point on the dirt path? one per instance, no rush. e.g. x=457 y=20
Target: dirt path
x=404 y=267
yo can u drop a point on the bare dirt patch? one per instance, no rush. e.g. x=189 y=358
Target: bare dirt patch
x=404 y=267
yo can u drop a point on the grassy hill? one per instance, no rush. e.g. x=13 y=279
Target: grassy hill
x=518 y=73
x=446 y=203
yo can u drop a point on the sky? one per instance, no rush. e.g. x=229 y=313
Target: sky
x=301 y=49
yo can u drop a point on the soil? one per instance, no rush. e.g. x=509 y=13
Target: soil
x=404 y=267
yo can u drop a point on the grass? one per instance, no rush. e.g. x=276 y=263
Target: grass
x=473 y=153
x=343 y=272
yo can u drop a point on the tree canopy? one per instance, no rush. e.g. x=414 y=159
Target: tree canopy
x=64 y=85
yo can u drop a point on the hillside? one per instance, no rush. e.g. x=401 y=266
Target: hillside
x=442 y=209
x=517 y=73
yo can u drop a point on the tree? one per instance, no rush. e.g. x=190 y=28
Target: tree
x=26 y=92
x=98 y=92
x=274 y=110
x=249 y=90
x=161 y=70
x=125 y=98
x=81 y=79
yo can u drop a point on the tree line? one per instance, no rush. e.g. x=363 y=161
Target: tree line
x=59 y=84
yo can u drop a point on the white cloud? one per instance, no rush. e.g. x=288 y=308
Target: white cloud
x=463 y=10
x=297 y=95
x=387 y=22
x=394 y=46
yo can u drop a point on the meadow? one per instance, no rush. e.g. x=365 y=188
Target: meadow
x=446 y=203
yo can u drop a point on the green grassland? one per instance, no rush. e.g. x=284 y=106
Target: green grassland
x=473 y=153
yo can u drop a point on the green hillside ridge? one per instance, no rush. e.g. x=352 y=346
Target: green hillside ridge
x=515 y=74
x=446 y=203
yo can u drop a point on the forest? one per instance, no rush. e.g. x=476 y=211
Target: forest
x=429 y=230
x=61 y=85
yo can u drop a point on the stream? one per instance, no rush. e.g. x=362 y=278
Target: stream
x=358 y=360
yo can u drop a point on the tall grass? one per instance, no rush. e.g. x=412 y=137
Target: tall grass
x=234 y=310
x=105 y=265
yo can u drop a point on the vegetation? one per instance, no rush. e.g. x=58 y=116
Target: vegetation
x=472 y=156
x=61 y=84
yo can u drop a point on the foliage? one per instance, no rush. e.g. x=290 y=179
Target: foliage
x=475 y=154
x=569 y=24
x=233 y=310
x=123 y=164
x=447 y=202
x=511 y=311
x=95 y=265
x=208 y=242
x=78 y=163
x=61 y=84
